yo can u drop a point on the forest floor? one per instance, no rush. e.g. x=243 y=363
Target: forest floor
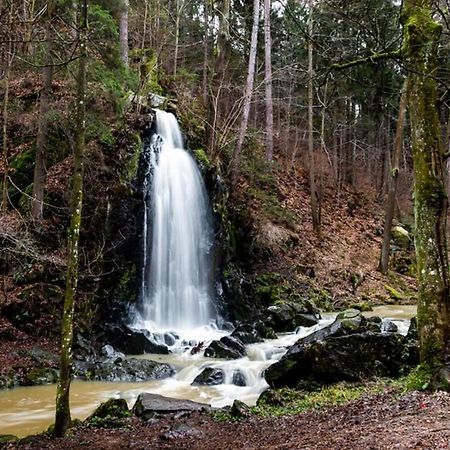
x=417 y=420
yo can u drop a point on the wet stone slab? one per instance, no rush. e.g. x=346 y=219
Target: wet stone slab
x=149 y=406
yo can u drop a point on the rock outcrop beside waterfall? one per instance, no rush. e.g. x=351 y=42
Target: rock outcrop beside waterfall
x=352 y=348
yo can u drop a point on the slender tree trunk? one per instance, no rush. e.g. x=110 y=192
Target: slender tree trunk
x=177 y=35
x=62 y=418
x=249 y=86
x=205 y=51
x=218 y=79
x=323 y=150
x=392 y=183
x=7 y=77
x=312 y=164
x=421 y=38
x=268 y=80
x=40 y=169
x=123 y=32
x=74 y=21
x=5 y=140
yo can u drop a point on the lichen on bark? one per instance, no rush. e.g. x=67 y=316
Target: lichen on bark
x=421 y=39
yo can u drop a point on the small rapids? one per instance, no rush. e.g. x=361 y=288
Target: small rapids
x=27 y=410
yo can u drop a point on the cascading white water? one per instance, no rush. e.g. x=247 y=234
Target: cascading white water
x=176 y=275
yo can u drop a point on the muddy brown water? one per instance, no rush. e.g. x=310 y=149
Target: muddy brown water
x=29 y=410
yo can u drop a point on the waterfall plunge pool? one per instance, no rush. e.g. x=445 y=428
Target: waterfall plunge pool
x=28 y=410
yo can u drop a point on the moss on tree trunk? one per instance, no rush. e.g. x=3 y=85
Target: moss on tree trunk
x=62 y=418
x=421 y=36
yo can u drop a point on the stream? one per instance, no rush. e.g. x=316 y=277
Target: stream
x=28 y=410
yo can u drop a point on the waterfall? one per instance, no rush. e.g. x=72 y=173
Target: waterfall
x=177 y=235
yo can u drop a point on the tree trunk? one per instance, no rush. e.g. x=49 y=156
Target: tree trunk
x=268 y=81
x=421 y=37
x=123 y=32
x=40 y=169
x=392 y=183
x=7 y=77
x=218 y=79
x=205 y=51
x=179 y=7
x=62 y=418
x=249 y=86
x=312 y=164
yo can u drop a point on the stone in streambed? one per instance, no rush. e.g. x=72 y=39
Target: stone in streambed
x=387 y=326
x=209 y=377
x=287 y=316
x=133 y=342
x=239 y=379
x=350 y=357
x=149 y=406
x=228 y=347
x=129 y=370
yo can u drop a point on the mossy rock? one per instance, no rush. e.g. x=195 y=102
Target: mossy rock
x=401 y=237
x=114 y=407
x=39 y=376
x=362 y=306
x=113 y=413
x=394 y=293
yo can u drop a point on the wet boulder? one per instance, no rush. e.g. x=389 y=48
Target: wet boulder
x=129 y=370
x=228 y=347
x=287 y=316
x=38 y=376
x=209 y=377
x=347 y=322
x=387 y=326
x=247 y=334
x=265 y=331
x=149 y=406
x=239 y=378
x=350 y=357
x=411 y=354
x=133 y=341
x=111 y=355
x=351 y=348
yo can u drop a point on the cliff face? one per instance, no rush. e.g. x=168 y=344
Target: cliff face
x=265 y=252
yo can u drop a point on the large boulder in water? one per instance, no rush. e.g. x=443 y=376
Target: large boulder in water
x=247 y=334
x=287 y=316
x=133 y=342
x=343 y=358
x=149 y=406
x=228 y=347
x=129 y=370
x=209 y=377
x=344 y=351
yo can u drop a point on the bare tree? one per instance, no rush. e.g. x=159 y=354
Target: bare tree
x=7 y=76
x=268 y=80
x=312 y=164
x=40 y=169
x=250 y=79
x=392 y=183
x=62 y=418
x=123 y=32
